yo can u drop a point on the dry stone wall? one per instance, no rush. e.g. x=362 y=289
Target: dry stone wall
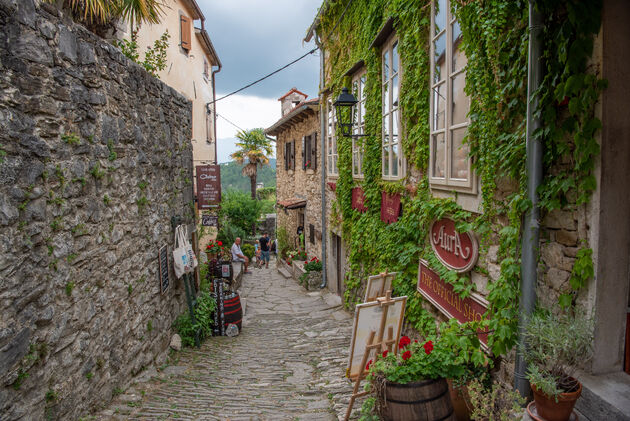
x=95 y=159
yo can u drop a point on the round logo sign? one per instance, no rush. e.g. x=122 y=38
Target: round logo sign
x=457 y=251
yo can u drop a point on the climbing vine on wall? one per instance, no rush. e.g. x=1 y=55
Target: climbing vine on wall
x=495 y=40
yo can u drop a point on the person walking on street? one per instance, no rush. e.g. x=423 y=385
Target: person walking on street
x=264 y=247
x=237 y=254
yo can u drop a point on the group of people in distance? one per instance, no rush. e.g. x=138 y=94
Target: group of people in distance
x=262 y=249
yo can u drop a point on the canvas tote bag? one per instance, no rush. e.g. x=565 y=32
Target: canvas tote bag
x=189 y=250
x=181 y=259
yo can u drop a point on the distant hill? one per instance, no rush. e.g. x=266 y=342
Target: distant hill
x=232 y=179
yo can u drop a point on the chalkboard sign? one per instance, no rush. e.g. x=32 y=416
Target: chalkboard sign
x=210 y=221
x=163 y=268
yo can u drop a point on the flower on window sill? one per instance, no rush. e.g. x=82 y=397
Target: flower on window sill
x=404 y=341
x=307 y=165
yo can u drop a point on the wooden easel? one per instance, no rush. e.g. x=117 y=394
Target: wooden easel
x=379 y=344
x=381 y=292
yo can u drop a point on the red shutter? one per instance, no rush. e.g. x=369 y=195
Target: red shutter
x=185 y=30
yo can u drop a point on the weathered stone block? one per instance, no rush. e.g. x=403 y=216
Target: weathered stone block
x=67 y=44
x=557 y=278
x=13 y=352
x=560 y=219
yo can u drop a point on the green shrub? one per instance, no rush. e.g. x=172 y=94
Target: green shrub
x=239 y=209
x=248 y=250
x=283 y=241
x=228 y=233
x=204 y=320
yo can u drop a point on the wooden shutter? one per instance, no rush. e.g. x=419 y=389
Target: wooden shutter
x=304 y=156
x=287 y=156
x=314 y=151
x=311 y=233
x=185 y=24
x=292 y=153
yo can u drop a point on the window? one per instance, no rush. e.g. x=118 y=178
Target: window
x=289 y=155
x=309 y=152
x=358 y=120
x=185 y=24
x=206 y=70
x=393 y=161
x=449 y=165
x=331 y=140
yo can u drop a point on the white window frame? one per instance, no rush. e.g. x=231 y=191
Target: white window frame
x=358 y=122
x=392 y=111
x=447 y=182
x=332 y=154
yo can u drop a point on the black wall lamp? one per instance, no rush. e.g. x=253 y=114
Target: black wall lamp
x=343 y=101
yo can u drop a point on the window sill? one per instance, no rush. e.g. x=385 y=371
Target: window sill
x=290 y=172
x=310 y=171
x=467 y=199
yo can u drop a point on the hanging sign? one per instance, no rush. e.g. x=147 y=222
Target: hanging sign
x=358 y=199
x=457 y=251
x=442 y=296
x=390 y=207
x=208 y=186
x=210 y=221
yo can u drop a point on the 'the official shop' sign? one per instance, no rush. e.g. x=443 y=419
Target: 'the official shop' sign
x=208 y=186
x=442 y=296
x=457 y=251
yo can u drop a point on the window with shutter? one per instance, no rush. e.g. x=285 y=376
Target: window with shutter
x=314 y=151
x=305 y=142
x=293 y=155
x=311 y=233
x=185 y=24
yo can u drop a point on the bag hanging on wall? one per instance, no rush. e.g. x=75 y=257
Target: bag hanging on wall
x=189 y=250
x=181 y=259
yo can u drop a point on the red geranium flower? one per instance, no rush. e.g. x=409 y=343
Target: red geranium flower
x=385 y=353
x=404 y=341
x=367 y=367
x=219 y=243
x=415 y=341
x=406 y=355
x=428 y=347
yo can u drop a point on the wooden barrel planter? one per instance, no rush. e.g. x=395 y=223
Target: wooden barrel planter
x=232 y=310
x=426 y=400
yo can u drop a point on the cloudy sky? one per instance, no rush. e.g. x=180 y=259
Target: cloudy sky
x=254 y=38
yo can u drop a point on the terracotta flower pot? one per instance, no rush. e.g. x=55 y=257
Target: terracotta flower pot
x=551 y=410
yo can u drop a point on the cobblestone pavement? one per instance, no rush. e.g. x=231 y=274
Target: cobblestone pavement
x=288 y=363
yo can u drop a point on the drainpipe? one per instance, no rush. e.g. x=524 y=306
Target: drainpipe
x=214 y=111
x=322 y=115
x=531 y=227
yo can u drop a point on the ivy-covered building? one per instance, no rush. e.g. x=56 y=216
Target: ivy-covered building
x=436 y=164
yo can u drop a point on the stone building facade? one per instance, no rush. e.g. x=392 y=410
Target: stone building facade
x=95 y=161
x=601 y=226
x=298 y=172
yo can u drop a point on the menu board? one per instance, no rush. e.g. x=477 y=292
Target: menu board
x=208 y=186
x=163 y=268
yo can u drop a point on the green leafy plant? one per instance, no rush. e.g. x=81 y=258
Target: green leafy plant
x=3 y=155
x=69 y=288
x=129 y=289
x=55 y=225
x=283 y=241
x=89 y=375
x=313 y=265
x=155 y=56
x=51 y=395
x=142 y=202
x=248 y=250
x=582 y=272
x=96 y=171
x=71 y=139
x=555 y=345
x=107 y=200
x=142 y=185
x=150 y=326
x=112 y=153
x=22 y=375
x=204 y=321
x=493 y=402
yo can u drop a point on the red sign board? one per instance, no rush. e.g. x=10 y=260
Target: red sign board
x=358 y=199
x=441 y=295
x=333 y=186
x=208 y=186
x=457 y=251
x=390 y=207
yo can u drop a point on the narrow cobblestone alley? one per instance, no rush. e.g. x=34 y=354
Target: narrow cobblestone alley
x=287 y=364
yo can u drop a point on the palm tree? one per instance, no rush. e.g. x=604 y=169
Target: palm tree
x=96 y=14
x=255 y=148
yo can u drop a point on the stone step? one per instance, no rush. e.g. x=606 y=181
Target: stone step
x=284 y=272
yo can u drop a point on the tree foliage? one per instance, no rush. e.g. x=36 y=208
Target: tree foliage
x=254 y=151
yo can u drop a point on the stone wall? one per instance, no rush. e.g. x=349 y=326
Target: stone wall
x=95 y=159
x=300 y=183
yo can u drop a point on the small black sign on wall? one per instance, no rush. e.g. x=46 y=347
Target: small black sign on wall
x=163 y=268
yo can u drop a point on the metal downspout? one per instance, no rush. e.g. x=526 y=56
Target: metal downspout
x=531 y=227
x=322 y=116
x=214 y=111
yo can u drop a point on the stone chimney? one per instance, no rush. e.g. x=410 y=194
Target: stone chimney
x=289 y=100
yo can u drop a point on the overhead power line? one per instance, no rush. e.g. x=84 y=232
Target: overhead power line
x=286 y=65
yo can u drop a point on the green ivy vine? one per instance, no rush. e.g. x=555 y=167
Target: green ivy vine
x=495 y=40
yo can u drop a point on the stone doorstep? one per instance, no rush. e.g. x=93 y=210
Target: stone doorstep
x=604 y=396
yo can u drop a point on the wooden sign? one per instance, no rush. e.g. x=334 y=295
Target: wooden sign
x=378 y=285
x=208 y=186
x=390 y=207
x=358 y=199
x=442 y=296
x=210 y=221
x=457 y=251
x=367 y=319
x=163 y=268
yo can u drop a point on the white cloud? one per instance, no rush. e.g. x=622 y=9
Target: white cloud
x=245 y=111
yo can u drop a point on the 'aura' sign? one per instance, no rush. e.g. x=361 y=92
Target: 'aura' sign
x=457 y=251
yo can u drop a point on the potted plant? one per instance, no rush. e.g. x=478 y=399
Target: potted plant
x=555 y=345
x=214 y=249
x=313 y=276
x=412 y=384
